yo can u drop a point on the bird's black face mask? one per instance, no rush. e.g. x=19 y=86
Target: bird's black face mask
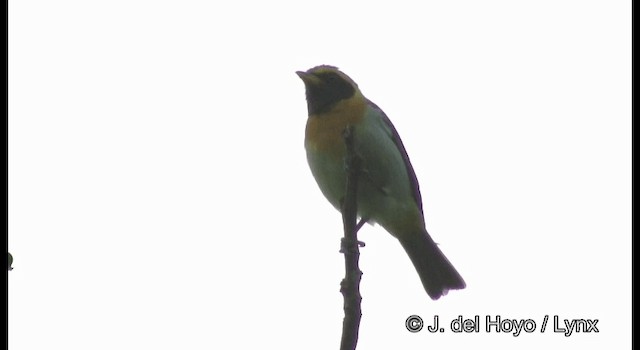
x=324 y=93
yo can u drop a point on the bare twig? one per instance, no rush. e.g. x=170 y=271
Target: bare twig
x=349 y=245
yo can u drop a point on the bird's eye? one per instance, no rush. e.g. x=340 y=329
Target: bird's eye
x=332 y=79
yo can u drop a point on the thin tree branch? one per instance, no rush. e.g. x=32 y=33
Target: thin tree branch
x=349 y=245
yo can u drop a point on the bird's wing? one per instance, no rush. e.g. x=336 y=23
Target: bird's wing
x=413 y=180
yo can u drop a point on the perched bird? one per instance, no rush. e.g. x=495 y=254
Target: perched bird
x=388 y=192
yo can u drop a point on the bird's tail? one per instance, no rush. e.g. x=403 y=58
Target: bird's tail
x=437 y=274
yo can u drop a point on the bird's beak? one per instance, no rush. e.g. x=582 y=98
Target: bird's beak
x=308 y=78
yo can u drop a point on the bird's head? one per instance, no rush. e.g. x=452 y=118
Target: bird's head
x=325 y=87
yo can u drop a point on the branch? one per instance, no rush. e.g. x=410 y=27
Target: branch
x=349 y=245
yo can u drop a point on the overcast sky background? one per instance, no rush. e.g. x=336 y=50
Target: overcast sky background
x=159 y=196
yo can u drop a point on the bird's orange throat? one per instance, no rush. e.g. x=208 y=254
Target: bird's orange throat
x=324 y=131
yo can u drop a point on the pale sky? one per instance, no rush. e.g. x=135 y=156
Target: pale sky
x=159 y=195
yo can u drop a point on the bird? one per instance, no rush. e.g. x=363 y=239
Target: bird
x=388 y=192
